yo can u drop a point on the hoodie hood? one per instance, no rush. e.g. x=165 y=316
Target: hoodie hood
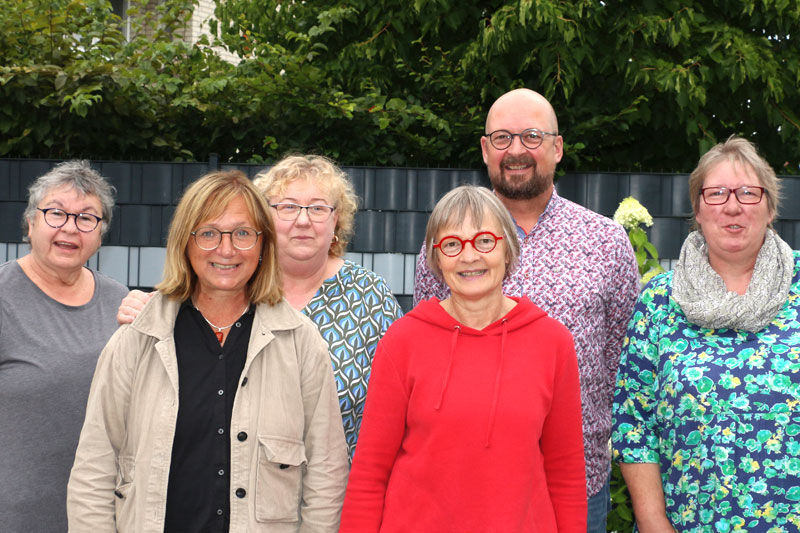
x=432 y=313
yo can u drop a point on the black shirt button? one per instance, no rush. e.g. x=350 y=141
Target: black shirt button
x=220 y=472
x=242 y=436
x=219 y=512
x=238 y=324
x=244 y=381
x=221 y=431
x=220 y=392
x=241 y=493
x=221 y=356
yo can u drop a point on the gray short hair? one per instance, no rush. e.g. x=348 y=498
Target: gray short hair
x=77 y=175
x=475 y=201
x=741 y=151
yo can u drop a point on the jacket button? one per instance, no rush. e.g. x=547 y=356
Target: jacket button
x=244 y=381
x=241 y=493
x=242 y=436
x=284 y=467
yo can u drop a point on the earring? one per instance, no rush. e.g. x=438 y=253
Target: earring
x=335 y=238
x=259 y=259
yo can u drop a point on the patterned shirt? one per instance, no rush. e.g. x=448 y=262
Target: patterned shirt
x=352 y=310
x=579 y=267
x=718 y=410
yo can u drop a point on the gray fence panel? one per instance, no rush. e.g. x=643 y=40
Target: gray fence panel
x=394 y=208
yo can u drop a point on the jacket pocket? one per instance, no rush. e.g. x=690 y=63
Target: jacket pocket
x=123 y=493
x=279 y=480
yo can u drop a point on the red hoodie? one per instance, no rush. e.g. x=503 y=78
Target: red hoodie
x=470 y=430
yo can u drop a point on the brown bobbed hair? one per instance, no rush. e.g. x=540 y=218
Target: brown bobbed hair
x=741 y=152
x=323 y=173
x=205 y=199
x=476 y=201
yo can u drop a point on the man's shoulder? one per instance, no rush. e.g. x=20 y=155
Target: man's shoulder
x=576 y=224
x=580 y=214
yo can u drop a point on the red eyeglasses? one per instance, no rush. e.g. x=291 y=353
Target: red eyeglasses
x=483 y=242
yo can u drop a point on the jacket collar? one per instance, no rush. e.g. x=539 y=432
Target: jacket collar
x=157 y=319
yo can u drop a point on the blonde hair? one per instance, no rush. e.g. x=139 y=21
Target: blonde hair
x=741 y=151
x=474 y=201
x=205 y=199
x=323 y=173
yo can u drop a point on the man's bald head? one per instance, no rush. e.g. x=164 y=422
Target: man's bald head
x=521 y=101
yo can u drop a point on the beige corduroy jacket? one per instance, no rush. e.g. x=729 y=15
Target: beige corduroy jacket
x=292 y=464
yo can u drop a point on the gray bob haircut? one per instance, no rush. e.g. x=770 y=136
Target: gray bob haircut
x=77 y=175
x=474 y=201
x=742 y=152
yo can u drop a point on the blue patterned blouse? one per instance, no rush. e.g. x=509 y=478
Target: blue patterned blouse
x=719 y=410
x=352 y=310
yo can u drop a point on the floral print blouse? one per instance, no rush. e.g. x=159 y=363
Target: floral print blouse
x=718 y=410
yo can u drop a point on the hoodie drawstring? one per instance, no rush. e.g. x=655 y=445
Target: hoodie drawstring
x=453 y=340
x=496 y=393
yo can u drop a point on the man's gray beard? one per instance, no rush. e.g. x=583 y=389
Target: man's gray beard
x=533 y=187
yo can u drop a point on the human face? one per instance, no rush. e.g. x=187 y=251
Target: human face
x=303 y=239
x=225 y=270
x=732 y=230
x=471 y=274
x=64 y=249
x=518 y=172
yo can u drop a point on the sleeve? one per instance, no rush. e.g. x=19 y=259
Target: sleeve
x=93 y=480
x=622 y=292
x=635 y=435
x=379 y=442
x=426 y=284
x=562 y=445
x=326 y=452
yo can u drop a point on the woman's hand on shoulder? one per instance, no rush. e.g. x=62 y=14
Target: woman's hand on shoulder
x=132 y=305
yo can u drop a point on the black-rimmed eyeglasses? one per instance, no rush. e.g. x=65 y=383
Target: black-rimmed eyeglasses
x=56 y=218
x=531 y=138
x=483 y=242
x=747 y=195
x=290 y=211
x=242 y=238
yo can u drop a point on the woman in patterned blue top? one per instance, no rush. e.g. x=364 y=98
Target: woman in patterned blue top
x=313 y=207
x=707 y=404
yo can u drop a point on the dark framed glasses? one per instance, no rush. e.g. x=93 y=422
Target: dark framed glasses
x=209 y=238
x=531 y=138
x=290 y=211
x=747 y=194
x=483 y=242
x=56 y=218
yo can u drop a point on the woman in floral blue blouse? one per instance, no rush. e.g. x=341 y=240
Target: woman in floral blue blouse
x=707 y=404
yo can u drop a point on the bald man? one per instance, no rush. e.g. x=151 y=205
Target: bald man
x=575 y=264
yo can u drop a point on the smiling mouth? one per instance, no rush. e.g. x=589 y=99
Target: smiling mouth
x=223 y=267
x=472 y=273
x=734 y=226
x=66 y=245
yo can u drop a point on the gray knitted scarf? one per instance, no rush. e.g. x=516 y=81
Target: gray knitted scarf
x=705 y=300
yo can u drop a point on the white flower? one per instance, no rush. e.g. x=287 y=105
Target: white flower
x=631 y=213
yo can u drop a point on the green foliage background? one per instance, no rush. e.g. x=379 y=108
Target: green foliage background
x=644 y=85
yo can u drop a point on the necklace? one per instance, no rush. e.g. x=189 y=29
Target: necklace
x=219 y=331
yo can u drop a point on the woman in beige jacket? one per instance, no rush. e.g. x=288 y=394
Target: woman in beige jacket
x=216 y=409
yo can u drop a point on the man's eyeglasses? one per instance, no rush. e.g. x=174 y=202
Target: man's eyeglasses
x=290 y=211
x=483 y=242
x=209 y=238
x=744 y=195
x=531 y=138
x=56 y=218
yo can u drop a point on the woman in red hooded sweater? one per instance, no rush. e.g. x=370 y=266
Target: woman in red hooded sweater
x=473 y=416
